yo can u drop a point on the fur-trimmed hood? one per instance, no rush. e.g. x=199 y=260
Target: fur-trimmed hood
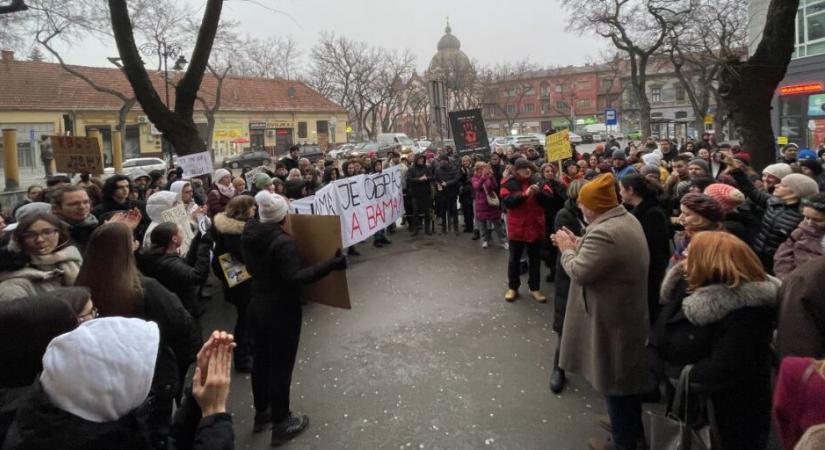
x=712 y=303
x=227 y=225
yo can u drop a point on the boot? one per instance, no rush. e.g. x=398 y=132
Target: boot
x=352 y=251
x=262 y=420
x=377 y=243
x=428 y=226
x=557 y=378
x=476 y=235
x=289 y=428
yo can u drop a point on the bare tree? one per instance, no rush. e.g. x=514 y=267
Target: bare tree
x=715 y=31
x=638 y=28
x=177 y=126
x=747 y=87
x=506 y=85
x=13 y=6
x=272 y=57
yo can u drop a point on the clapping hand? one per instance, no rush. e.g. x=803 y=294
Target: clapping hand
x=130 y=218
x=210 y=385
x=564 y=239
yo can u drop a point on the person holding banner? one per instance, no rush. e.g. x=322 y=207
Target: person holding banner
x=418 y=184
x=525 y=199
x=275 y=313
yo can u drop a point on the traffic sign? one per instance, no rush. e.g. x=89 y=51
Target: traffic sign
x=782 y=140
x=610 y=117
x=349 y=129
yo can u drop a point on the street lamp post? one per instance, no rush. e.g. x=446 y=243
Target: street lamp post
x=166 y=51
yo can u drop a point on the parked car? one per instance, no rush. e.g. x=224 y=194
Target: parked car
x=135 y=164
x=575 y=138
x=499 y=142
x=311 y=152
x=422 y=145
x=527 y=139
x=369 y=147
x=587 y=137
x=400 y=141
x=247 y=159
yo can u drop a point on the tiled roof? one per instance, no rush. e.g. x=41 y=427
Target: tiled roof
x=41 y=86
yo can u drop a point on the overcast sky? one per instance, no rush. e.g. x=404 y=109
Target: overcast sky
x=490 y=31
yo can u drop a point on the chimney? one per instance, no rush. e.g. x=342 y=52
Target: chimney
x=6 y=55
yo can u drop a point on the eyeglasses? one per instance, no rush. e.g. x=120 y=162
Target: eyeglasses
x=93 y=314
x=48 y=233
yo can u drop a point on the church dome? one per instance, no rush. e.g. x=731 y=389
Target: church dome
x=449 y=58
x=448 y=40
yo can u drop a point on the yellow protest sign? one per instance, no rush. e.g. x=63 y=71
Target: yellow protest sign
x=557 y=146
x=782 y=140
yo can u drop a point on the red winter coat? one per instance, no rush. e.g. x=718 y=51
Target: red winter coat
x=483 y=210
x=525 y=214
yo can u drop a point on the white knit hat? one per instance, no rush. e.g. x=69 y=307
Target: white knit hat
x=779 y=170
x=102 y=369
x=220 y=173
x=801 y=185
x=271 y=207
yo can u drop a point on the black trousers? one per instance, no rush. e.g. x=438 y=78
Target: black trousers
x=240 y=296
x=421 y=208
x=517 y=248
x=447 y=208
x=276 y=331
x=467 y=210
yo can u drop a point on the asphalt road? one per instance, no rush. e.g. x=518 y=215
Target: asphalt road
x=430 y=356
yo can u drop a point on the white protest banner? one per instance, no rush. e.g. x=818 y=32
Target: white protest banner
x=365 y=203
x=178 y=216
x=196 y=164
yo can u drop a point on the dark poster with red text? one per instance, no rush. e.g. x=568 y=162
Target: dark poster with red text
x=468 y=132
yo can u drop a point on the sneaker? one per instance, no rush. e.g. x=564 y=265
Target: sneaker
x=262 y=421
x=511 y=295
x=290 y=427
x=538 y=296
x=484 y=244
x=505 y=246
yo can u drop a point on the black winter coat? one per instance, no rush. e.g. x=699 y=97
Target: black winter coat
x=418 y=188
x=656 y=227
x=570 y=217
x=108 y=207
x=447 y=172
x=180 y=337
x=182 y=276
x=725 y=333
x=554 y=205
x=41 y=425
x=272 y=259
x=779 y=221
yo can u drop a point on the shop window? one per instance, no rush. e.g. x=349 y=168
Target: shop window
x=816 y=132
x=791 y=127
x=792 y=105
x=302 y=130
x=816 y=105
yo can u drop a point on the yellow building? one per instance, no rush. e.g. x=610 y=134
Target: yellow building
x=39 y=98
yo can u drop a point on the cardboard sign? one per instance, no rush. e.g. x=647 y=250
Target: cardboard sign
x=74 y=154
x=366 y=204
x=178 y=216
x=557 y=146
x=234 y=271
x=469 y=132
x=317 y=239
x=249 y=175
x=196 y=164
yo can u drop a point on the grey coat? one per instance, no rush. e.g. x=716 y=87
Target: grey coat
x=606 y=321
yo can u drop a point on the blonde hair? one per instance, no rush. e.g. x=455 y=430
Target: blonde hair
x=480 y=166
x=720 y=257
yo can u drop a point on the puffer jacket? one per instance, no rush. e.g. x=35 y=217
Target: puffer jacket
x=804 y=244
x=779 y=220
x=418 y=188
x=448 y=172
x=483 y=210
x=525 y=214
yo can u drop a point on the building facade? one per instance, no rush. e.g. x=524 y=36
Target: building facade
x=38 y=98
x=798 y=113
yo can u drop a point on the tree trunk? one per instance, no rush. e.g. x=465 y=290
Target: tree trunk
x=122 y=114
x=748 y=87
x=644 y=116
x=699 y=124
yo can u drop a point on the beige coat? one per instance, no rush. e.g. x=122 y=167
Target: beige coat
x=606 y=324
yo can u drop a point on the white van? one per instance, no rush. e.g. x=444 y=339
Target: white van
x=400 y=141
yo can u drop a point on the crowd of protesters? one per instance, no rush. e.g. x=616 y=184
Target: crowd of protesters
x=668 y=261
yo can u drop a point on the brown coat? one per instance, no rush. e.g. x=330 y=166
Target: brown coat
x=606 y=324
x=801 y=326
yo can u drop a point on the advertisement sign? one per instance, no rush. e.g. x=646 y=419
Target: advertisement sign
x=468 y=132
x=74 y=154
x=557 y=146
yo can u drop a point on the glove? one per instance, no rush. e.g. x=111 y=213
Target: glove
x=339 y=261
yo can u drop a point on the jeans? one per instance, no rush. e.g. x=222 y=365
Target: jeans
x=486 y=228
x=517 y=248
x=626 y=421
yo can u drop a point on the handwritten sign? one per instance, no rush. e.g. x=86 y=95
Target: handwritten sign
x=177 y=215
x=558 y=146
x=196 y=164
x=366 y=204
x=234 y=271
x=74 y=154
